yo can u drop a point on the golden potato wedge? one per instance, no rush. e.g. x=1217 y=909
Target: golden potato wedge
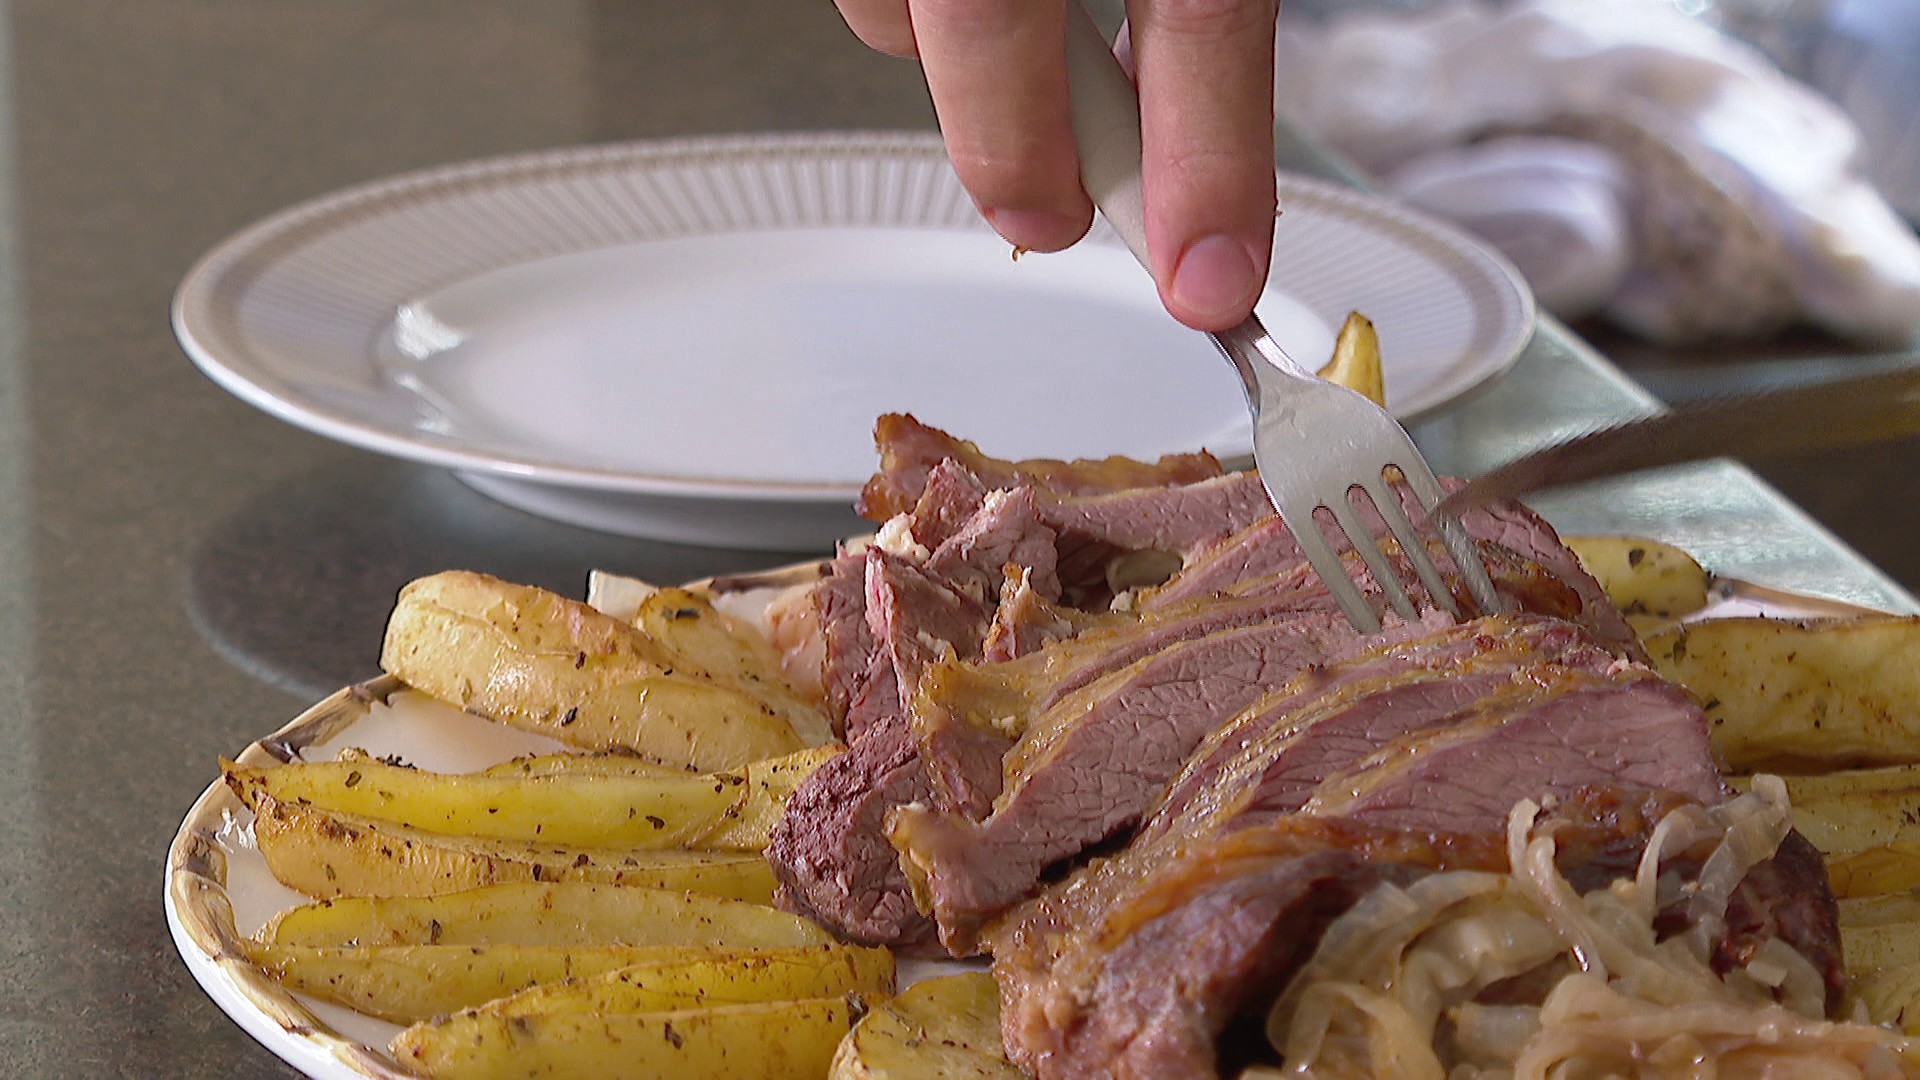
x=1356 y=360
x=565 y=808
x=1890 y=868
x=763 y=799
x=325 y=853
x=770 y=1040
x=701 y=637
x=1853 y=810
x=694 y=978
x=584 y=764
x=1890 y=944
x=1800 y=696
x=1652 y=583
x=538 y=661
x=409 y=983
x=1892 y=996
x=762 y=788
x=542 y=913
x=946 y=1028
x=1880 y=910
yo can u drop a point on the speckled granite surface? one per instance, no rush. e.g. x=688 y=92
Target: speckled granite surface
x=180 y=573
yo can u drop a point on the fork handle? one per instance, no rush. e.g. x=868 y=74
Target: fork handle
x=1106 y=130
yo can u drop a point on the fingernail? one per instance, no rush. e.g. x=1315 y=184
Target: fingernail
x=1215 y=280
x=1041 y=230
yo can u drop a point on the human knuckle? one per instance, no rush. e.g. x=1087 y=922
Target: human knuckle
x=1213 y=17
x=976 y=16
x=1005 y=179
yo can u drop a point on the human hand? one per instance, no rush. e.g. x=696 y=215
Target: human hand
x=997 y=73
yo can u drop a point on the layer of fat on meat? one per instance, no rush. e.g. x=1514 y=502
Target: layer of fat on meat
x=896 y=538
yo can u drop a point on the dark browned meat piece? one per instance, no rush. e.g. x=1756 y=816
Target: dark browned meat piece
x=1134 y=966
x=909 y=450
x=1096 y=759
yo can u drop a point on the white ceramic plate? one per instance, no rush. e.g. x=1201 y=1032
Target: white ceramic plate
x=218 y=888
x=689 y=340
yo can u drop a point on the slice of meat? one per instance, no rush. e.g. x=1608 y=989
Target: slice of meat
x=909 y=450
x=1025 y=622
x=1630 y=729
x=839 y=603
x=1007 y=694
x=952 y=495
x=1173 y=519
x=830 y=852
x=1006 y=530
x=1137 y=976
x=1134 y=968
x=1788 y=897
x=1265 y=549
x=1096 y=760
x=1272 y=759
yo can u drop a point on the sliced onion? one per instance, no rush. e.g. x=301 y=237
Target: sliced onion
x=1370 y=999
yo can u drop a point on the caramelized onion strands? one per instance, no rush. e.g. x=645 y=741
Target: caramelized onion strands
x=1391 y=989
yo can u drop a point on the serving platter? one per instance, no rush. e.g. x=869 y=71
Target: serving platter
x=687 y=340
x=218 y=889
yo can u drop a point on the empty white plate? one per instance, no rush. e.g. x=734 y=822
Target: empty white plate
x=691 y=340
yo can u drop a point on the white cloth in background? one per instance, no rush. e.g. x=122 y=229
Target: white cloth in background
x=1631 y=161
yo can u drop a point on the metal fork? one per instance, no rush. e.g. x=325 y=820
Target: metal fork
x=1314 y=442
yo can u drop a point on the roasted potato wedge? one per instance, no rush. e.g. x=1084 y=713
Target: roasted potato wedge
x=1889 y=868
x=771 y=1040
x=699 y=636
x=1855 y=810
x=582 y=764
x=1652 y=583
x=325 y=853
x=1356 y=360
x=542 y=913
x=527 y=657
x=1880 y=910
x=943 y=1029
x=1802 y=696
x=761 y=788
x=409 y=983
x=573 y=809
x=763 y=799
x=1892 y=996
x=1890 y=944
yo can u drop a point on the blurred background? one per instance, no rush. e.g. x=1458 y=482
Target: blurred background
x=1718 y=194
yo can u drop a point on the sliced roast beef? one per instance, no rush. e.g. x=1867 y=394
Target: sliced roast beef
x=830 y=851
x=1025 y=622
x=1137 y=975
x=1272 y=759
x=1265 y=549
x=1632 y=729
x=909 y=450
x=1097 y=759
x=1006 y=530
x=839 y=603
x=951 y=496
x=1134 y=967
x=1008 y=694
